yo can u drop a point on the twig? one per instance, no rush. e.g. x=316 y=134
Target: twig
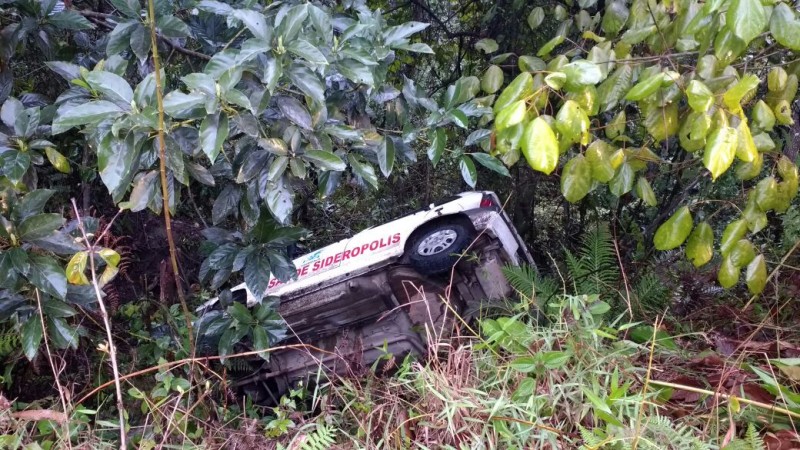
x=180 y=362
x=112 y=349
x=647 y=382
x=173 y=253
x=61 y=394
x=747 y=401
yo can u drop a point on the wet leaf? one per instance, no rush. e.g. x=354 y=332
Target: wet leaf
x=672 y=233
x=785 y=27
x=731 y=235
x=700 y=96
x=645 y=192
x=728 y=274
x=622 y=182
x=573 y=123
x=520 y=86
x=645 y=88
x=600 y=160
x=576 y=179
x=492 y=79
x=756 y=275
x=746 y=18
x=742 y=253
x=720 y=150
x=700 y=245
x=510 y=115
x=539 y=146
x=468 y=172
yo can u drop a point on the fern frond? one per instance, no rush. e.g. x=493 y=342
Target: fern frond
x=652 y=294
x=322 y=438
x=529 y=284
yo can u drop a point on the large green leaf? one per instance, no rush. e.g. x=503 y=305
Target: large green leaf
x=645 y=88
x=364 y=170
x=32 y=203
x=492 y=79
x=325 y=160
x=573 y=123
x=510 y=115
x=144 y=191
x=674 y=231
x=257 y=274
x=112 y=86
x=728 y=274
x=576 y=179
x=540 y=146
x=39 y=226
x=438 y=140
x=622 y=182
x=699 y=95
x=536 y=17
x=746 y=18
x=491 y=163
x=213 y=133
x=89 y=113
x=614 y=88
x=32 y=334
x=177 y=104
x=785 y=27
x=468 y=172
x=756 y=275
x=140 y=42
x=46 y=274
x=117 y=159
x=720 y=150
x=520 y=86
x=307 y=51
x=582 y=73
x=385 y=153
x=295 y=111
x=731 y=235
x=15 y=165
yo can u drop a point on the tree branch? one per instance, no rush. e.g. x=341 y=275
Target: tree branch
x=177 y=47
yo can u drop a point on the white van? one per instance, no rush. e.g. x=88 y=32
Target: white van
x=392 y=287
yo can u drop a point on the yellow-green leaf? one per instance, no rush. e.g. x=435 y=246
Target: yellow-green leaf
x=756 y=219
x=492 y=79
x=763 y=117
x=576 y=179
x=767 y=194
x=599 y=159
x=661 y=123
x=777 y=79
x=700 y=245
x=746 y=147
x=674 y=231
x=783 y=113
x=510 y=115
x=573 y=123
x=731 y=235
x=750 y=170
x=622 y=182
x=57 y=160
x=746 y=19
x=520 y=87
x=110 y=257
x=733 y=96
x=645 y=192
x=742 y=253
x=720 y=150
x=76 y=268
x=616 y=127
x=700 y=96
x=756 y=275
x=539 y=145
x=728 y=274
x=785 y=27
x=645 y=88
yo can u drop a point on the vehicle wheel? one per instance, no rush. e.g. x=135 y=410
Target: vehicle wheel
x=435 y=249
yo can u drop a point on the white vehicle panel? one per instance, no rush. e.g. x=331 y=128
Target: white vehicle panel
x=367 y=248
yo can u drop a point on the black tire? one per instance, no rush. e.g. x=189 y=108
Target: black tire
x=443 y=249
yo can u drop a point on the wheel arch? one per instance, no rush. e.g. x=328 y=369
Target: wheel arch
x=460 y=217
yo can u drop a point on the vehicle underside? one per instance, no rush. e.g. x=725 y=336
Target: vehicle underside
x=347 y=325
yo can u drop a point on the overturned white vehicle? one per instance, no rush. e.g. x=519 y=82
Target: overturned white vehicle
x=388 y=288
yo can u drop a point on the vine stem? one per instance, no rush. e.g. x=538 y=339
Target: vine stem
x=112 y=349
x=162 y=156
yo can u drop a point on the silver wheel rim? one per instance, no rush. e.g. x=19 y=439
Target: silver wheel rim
x=437 y=242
